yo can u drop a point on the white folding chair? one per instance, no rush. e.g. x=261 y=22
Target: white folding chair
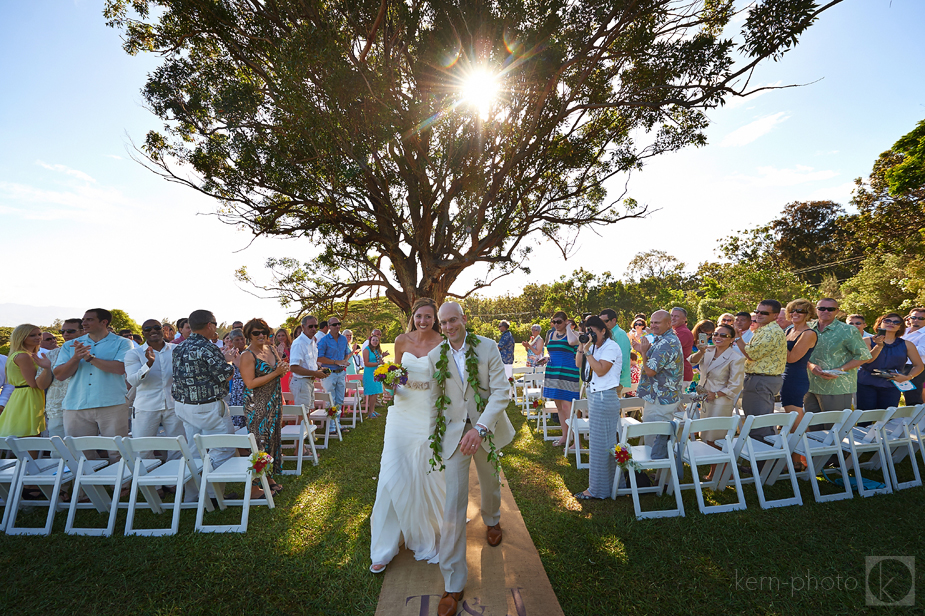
x=544 y=415
x=296 y=436
x=92 y=481
x=233 y=470
x=517 y=374
x=642 y=455
x=532 y=390
x=869 y=439
x=320 y=415
x=898 y=434
x=821 y=445
x=352 y=402
x=628 y=408
x=238 y=411
x=49 y=479
x=576 y=427
x=173 y=472
x=756 y=450
x=697 y=453
x=9 y=477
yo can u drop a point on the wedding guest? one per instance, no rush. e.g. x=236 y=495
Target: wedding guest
x=296 y=332
x=232 y=353
x=637 y=331
x=765 y=361
x=686 y=338
x=604 y=359
x=506 y=348
x=352 y=364
x=183 y=330
x=372 y=359
x=54 y=396
x=95 y=402
x=238 y=325
x=534 y=346
x=722 y=376
x=838 y=347
x=889 y=354
x=801 y=340
x=304 y=364
x=622 y=340
x=561 y=384
x=6 y=388
x=283 y=349
x=858 y=320
x=334 y=354
x=261 y=370
x=170 y=332
x=915 y=333
x=662 y=371
x=727 y=318
x=30 y=374
x=149 y=369
x=706 y=327
x=49 y=342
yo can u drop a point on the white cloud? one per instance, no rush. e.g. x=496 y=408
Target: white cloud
x=80 y=175
x=753 y=130
x=771 y=176
x=113 y=156
x=839 y=194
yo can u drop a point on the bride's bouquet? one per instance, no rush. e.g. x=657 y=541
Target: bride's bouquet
x=391 y=374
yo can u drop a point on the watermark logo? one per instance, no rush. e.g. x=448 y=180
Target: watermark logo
x=890 y=580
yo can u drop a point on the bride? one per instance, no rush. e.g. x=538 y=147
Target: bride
x=410 y=499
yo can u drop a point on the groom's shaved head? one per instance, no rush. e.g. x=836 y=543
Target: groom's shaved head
x=449 y=308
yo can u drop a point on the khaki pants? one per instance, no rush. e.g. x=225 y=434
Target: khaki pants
x=102 y=421
x=303 y=391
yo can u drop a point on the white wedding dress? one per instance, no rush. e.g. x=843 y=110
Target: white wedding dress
x=409 y=499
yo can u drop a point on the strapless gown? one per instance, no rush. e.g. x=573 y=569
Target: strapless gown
x=409 y=499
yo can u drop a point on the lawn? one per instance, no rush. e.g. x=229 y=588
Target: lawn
x=310 y=555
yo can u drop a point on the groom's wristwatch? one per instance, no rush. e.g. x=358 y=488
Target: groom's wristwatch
x=483 y=432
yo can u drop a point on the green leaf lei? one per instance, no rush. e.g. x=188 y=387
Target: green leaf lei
x=443 y=402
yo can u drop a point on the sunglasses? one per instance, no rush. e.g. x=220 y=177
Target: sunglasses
x=214 y=323
x=334 y=324
x=891 y=322
x=260 y=332
x=152 y=328
x=315 y=326
x=799 y=311
x=556 y=321
x=826 y=308
x=718 y=335
x=68 y=331
x=762 y=312
x=916 y=318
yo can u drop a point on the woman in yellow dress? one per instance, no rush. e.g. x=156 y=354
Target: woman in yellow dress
x=24 y=414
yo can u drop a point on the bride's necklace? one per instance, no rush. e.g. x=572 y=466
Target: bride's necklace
x=443 y=401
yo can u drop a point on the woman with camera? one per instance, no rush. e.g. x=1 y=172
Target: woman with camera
x=561 y=384
x=603 y=360
x=888 y=355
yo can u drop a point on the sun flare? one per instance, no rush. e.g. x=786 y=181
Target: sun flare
x=480 y=89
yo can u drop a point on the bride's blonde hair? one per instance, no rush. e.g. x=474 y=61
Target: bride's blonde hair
x=418 y=304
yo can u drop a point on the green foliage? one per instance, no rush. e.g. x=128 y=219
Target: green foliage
x=121 y=320
x=328 y=121
x=909 y=174
x=885 y=283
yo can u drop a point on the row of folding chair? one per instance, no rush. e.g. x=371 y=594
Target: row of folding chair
x=75 y=462
x=889 y=434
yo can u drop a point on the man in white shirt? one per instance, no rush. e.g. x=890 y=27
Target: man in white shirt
x=742 y=324
x=149 y=369
x=915 y=333
x=322 y=331
x=303 y=363
x=54 y=397
x=858 y=320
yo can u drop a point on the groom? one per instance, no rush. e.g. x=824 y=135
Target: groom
x=465 y=438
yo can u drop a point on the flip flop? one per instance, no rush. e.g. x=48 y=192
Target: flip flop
x=583 y=496
x=377 y=571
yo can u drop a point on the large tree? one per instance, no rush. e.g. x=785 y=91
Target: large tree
x=411 y=140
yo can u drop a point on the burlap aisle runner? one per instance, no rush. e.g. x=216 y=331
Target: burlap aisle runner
x=508 y=580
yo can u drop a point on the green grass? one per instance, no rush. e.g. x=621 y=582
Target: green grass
x=311 y=554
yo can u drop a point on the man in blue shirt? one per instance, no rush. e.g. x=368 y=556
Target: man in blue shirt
x=333 y=352
x=95 y=400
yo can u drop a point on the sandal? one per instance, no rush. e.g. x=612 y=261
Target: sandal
x=276 y=488
x=372 y=568
x=583 y=496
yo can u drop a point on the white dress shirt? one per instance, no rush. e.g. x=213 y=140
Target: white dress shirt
x=918 y=339
x=609 y=351
x=303 y=353
x=152 y=385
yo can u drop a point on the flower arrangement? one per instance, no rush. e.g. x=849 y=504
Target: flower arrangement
x=260 y=463
x=538 y=404
x=334 y=411
x=624 y=458
x=391 y=374
x=510 y=380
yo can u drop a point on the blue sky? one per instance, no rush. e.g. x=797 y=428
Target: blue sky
x=84 y=225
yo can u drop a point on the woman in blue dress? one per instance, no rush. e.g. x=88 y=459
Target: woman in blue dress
x=889 y=353
x=801 y=340
x=372 y=359
x=561 y=383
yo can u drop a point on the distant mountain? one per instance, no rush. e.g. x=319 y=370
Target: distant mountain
x=12 y=315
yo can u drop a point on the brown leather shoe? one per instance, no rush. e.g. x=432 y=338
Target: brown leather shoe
x=494 y=535
x=449 y=603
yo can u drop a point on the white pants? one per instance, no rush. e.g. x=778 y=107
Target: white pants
x=206 y=419
x=303 y=391
x=657 y=412
x=146 y=423
x=453 y=530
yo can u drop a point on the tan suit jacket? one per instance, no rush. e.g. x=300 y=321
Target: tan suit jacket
x=493 y=384
x=725 y=374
